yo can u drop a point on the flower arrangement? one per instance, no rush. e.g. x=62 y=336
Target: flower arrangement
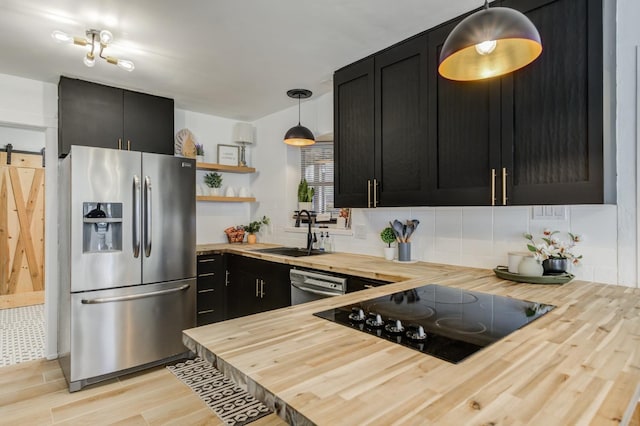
x=213 y=180
x=199 y=149
x=255 y=226
x=553 y=248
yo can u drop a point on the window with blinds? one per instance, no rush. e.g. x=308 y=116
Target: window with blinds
x=316 y=166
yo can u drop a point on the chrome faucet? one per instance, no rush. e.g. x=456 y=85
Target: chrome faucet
x=309 y=237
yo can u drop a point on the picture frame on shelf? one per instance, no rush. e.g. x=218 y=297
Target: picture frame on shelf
x=228 y=155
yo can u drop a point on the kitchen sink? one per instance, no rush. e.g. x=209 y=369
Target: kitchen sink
x=290 y=251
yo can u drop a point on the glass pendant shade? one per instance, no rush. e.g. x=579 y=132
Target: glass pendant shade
x=489 y=43
x=299 y=135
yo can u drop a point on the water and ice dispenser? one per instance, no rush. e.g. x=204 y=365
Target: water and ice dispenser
x=102 y=227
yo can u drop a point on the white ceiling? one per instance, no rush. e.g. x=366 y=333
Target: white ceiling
x=230 y=58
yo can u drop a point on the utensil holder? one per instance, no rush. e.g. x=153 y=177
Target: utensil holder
x=404 y=252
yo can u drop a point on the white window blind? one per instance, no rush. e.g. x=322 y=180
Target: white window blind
x=316 y=166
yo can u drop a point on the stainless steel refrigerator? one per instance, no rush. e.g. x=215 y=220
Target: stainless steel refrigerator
x=127 y=275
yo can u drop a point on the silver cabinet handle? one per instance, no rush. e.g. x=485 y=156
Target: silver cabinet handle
x=226 y=278
x=133 y=296
x=504 y=186
x=493 y=187
x=375 y=193
x=208 y=274
x=128 y=145
x=206 y=290
x=136 y=216
x=147 y=216
x=257 y=281
x=314 y=291
x=208 y=311
x=261 y=289
x=206 y=260
x=119 y=143
x=368 y=193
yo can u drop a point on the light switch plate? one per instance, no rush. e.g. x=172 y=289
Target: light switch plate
x=548 y=213
x=360 y=232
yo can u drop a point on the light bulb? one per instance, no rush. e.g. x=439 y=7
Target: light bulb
x=106 y=37
x=126 y=65
x=61 y=37
x=486 y=47
x=89 y=60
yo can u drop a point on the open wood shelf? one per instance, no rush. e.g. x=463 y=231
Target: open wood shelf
x=225 y=168
x=225 y=199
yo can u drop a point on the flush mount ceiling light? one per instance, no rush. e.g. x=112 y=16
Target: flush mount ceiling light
x=299 y=135
x=491 y=42
x=96 y=41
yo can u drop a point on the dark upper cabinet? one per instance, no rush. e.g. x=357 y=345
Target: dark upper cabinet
x=353 y=143
x=534 y=136
x=401 y=174
x=92 y=114
x=552 y=115
x=464 y=133
x=256 y=286
x=380 y=128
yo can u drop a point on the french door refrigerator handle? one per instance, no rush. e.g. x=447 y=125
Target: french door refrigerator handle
x=133 y=296
x=136 y=216
x=147 y=216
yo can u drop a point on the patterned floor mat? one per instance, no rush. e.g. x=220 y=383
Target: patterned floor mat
x=21 y=334
x=232 y=404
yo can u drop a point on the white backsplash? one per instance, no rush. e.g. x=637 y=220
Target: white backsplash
x=482 y=236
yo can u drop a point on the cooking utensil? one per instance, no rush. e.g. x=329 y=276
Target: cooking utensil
x=411 y=227
x=396 y=226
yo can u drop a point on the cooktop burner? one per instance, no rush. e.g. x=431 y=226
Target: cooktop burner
x=448 y=323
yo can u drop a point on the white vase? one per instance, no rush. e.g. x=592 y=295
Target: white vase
x=199 y=158
x=530 y=267
x=389 y=253
x=214 y=191
x=305 y=205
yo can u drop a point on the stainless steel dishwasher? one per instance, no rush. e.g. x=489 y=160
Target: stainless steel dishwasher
x=307 y=286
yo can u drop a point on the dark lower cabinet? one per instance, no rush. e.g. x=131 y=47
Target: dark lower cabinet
x=211 y=289
x=92 y=114
x=360 y=283
x=256 y=286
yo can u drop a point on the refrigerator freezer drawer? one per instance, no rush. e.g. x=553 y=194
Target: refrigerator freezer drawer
x=118 y=329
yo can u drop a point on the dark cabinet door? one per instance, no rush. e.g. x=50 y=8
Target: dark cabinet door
x=256 y=286
x=148 y=123
x=402 y=171
x=89 y=114
x=355 y=283
x=552 y=109
x=353 y=98
x=211 y=289
x=464 y=134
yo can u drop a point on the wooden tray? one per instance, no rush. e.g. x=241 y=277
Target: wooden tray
x=502 y=272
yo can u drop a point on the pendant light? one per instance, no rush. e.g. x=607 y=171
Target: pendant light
x=299 y=135
x=491 y=42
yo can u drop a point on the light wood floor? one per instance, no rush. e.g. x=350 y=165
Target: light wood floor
x=35 y=393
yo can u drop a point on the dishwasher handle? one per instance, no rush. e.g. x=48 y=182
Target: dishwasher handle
x=315 y=291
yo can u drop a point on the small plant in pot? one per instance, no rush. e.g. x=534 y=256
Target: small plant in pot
x=199 y=152
x=253 y=227
x=388 y=236
x=214 y=182
x=305 y=195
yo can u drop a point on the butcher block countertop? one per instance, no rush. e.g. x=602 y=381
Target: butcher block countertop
x=578 y=364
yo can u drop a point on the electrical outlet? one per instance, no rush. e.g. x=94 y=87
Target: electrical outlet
x=360 y=232
x=548 y=213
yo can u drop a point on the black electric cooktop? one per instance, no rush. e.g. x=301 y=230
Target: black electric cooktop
x=448 y=323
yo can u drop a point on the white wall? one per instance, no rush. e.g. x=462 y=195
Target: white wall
x=213 y=217
x=28 y=118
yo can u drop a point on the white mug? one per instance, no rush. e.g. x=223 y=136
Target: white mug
x=229 y=192
x=244 y=192
x=514 y=260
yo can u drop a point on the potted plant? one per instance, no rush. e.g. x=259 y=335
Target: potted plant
x=305 y=195
x=554 y=253
x=388 y=236
x=254 y=227
x=214 y=182
x=199 y=153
